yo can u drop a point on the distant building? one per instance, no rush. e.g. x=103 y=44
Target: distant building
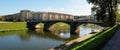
x=83 y=18
x=26 y=15
x=79 y=18
x=89 y=18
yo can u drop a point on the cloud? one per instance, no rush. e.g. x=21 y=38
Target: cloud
x=74 y=7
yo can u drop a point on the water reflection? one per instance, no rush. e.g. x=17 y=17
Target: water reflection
x=62 y=35
x=37 y=40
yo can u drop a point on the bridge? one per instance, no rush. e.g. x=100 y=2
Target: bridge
x=48 y=25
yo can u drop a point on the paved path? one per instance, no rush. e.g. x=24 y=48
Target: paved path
x=114 y=43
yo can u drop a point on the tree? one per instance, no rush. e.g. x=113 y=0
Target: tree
x=118 y=16
x=2 y=19
x=106 y=10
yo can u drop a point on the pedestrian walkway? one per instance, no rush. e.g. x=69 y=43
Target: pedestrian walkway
x=114 y=43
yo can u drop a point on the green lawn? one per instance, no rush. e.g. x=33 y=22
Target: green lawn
x=12 y=26
x=8 y=26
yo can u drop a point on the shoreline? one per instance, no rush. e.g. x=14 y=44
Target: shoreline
x=72 y=42
x=8 y=30
x=75 y=41
x=12 y=26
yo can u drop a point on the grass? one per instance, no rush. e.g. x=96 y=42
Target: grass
x=61 y=26
x=95 y=42
x=58 y=26
x=13 y=26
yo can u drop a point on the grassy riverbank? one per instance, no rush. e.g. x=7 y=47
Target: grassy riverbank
x=12 y=26
x=95 y=42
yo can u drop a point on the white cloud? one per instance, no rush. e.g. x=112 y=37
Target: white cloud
x=75 y=7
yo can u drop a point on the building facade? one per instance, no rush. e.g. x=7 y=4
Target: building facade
x=26 y=15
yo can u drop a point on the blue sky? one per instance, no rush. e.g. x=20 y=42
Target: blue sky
x=74 y=7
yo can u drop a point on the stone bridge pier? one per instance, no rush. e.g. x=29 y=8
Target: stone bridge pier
x=31 y=25
x=48 y=26
x=74 y=28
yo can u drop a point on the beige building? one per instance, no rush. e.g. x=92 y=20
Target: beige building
x=56 y=16
x=25 y=15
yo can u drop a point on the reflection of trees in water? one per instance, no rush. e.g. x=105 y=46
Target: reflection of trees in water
x=25 y=36
x=93 y=26
x=51 y=35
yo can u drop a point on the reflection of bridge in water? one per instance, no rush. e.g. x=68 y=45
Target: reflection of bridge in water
x=48 y=25
x=51 y=35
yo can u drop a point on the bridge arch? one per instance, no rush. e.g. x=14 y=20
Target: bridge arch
x=48 y=26
x=57 y=25
x=39 y=25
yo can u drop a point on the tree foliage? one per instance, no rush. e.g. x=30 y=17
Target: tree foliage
x=105 y=10
x=2 y=18
x=118 y=16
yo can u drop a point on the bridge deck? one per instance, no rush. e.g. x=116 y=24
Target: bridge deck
x=114 y=43
x=67 y=21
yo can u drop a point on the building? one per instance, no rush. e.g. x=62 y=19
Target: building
x=13 y=17
x=89 y=18
x=79 y=18
x=26 y=15
x=56 y=16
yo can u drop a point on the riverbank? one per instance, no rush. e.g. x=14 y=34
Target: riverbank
x=96 y=42
x=12 y=26
x=15 y=26
x=72 y=42
x=81 y=42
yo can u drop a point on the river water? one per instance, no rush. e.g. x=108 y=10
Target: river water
x=37 y=40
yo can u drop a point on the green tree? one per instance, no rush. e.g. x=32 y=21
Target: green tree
x=105 y=10
x=118 y=16
x=2 y=19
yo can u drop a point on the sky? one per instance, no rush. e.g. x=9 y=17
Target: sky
x=74 y=7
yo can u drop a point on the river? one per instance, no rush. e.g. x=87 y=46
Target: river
x=37 y=40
